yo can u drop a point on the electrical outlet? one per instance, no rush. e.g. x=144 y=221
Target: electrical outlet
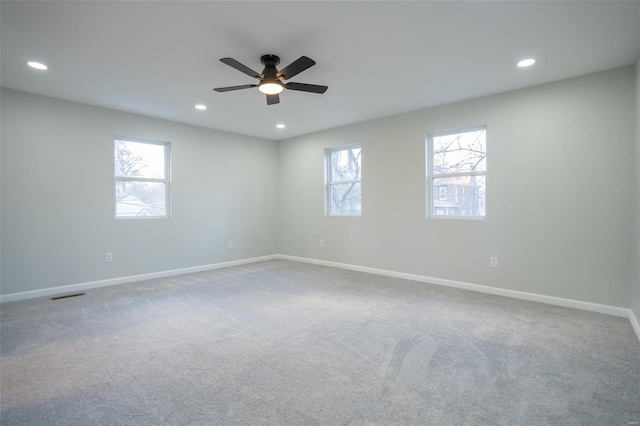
x=108 y=257
x=321 y=243
x=493 y=262
x=230 y=244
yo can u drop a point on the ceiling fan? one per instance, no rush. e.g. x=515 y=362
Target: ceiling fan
x=271 y=80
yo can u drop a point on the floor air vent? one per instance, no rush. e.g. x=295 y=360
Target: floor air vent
x=66 y=296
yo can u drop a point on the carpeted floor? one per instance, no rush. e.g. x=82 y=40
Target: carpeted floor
x=288 y=343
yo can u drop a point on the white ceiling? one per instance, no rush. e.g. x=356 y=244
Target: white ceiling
x=378 y=58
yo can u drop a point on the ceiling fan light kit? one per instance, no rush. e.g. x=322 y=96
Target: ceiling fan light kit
x=271 y=80
x=270 y=88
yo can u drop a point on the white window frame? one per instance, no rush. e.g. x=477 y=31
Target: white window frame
x=166 y=181
x=431 y=175
x=328 y=178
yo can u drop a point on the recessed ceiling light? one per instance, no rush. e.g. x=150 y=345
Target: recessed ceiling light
x=201 y=107
x=280 y=126
x=526 y=63
x=37 y=65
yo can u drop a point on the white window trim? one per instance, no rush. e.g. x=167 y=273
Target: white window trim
x=328 y=175
x=431 y=176
x=166 y=180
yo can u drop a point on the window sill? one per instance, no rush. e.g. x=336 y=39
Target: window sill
x=142 y=218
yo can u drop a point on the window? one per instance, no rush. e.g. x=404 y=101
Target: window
x=343 y=183
x=141 y=178
x=457 y=165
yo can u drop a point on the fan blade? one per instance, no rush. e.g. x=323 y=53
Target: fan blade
x=230 y=88
x=312 y=88
x=242 y=68
x=296 y=67
x=273 y=99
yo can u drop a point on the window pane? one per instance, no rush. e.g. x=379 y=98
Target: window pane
x=346 y=198
x=464 y=196
x=139 y=159
x=140 y=199
x=460 y=152
x=345 y=165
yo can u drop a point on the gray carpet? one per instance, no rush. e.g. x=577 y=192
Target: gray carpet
x=281 y=342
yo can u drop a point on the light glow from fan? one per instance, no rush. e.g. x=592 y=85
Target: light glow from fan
x=270 y=88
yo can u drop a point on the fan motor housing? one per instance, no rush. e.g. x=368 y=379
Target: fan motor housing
x=270 y=71
x=269 y=60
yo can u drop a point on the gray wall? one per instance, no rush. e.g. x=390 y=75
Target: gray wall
x=635 y=305
x=57 y=196
x=563 y=159
x=559 y=204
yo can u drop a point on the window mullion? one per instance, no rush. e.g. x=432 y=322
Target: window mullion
x=335 y=182
x=459 y=174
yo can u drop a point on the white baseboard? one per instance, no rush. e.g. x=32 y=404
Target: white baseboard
x=569 y=303
x=123 y=280
x=634 y=322
x=551 y=300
